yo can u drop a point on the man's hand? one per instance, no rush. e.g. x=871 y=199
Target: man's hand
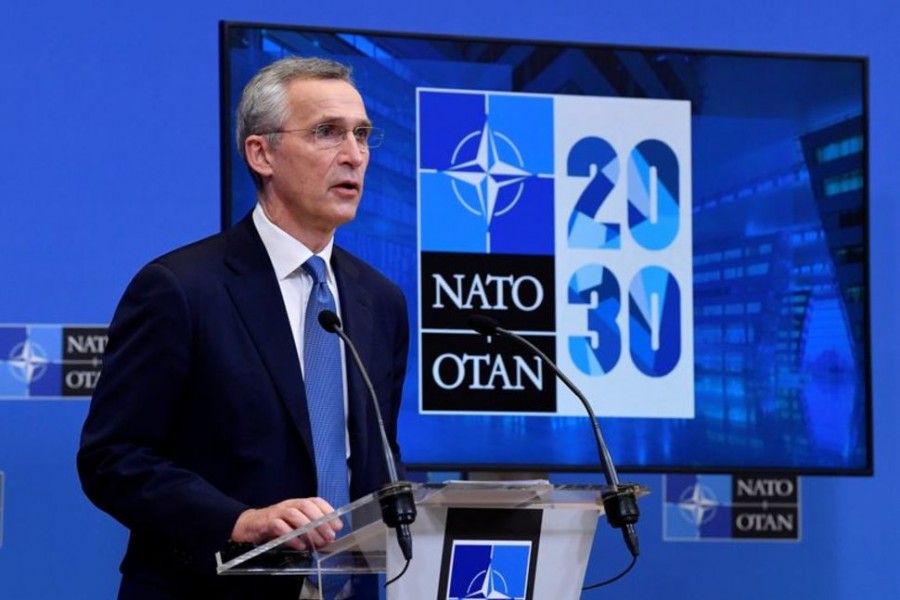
x=259 y=525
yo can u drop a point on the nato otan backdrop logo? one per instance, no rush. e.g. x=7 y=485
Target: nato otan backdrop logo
x=731 y=507
x=50 y=361
x=568 y=220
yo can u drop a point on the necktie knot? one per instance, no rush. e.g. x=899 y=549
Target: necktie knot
x=315 y=266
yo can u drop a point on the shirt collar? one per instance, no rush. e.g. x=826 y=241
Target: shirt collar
x=286 y=253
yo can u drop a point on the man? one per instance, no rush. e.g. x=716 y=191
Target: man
x=200 y=430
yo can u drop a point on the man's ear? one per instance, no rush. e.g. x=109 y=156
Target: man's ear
x=258 y=154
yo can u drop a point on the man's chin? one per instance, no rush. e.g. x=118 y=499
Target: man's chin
x=346 y=214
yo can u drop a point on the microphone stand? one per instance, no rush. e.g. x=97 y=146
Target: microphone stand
x=398 y=509
x=619 y=501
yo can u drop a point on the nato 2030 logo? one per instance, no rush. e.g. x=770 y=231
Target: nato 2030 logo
x=567 y=219
x=50 y=361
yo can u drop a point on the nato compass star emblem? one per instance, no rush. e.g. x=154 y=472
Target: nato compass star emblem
x=488 y=584
x=698 y=504
x=27 y=361
x=484 y=180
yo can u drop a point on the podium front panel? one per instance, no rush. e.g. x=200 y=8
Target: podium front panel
x=523 y=553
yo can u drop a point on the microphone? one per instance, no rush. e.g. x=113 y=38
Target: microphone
x=619 y=502
x=398 y=509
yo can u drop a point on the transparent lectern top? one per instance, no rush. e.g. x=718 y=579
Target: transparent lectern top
x=362 y=550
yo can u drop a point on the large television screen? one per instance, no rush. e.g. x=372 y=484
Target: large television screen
x=682 y=231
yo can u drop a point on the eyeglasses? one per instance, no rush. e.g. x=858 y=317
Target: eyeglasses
x=327 y=135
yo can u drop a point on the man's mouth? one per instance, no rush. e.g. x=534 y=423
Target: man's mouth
x=348 y=185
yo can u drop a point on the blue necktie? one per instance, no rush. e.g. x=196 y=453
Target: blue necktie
x=325 y=398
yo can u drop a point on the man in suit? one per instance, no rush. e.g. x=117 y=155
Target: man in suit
x=199 y=432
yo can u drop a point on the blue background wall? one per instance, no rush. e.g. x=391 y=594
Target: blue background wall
x=109 y=118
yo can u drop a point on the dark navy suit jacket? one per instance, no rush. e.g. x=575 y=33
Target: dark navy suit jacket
x=200 y=410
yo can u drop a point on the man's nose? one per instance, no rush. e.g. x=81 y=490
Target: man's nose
x=352 y=150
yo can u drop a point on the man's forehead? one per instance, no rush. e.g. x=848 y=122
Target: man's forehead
x=331 y=98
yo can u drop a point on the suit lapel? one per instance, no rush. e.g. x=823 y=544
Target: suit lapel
x=257 y=297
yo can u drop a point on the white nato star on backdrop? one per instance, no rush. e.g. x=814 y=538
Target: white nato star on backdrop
x=487 y=173
x=698 y=504
x=27 y=361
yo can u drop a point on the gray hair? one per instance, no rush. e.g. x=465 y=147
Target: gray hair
x=264 y=107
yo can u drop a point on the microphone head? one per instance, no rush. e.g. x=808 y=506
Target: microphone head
x=329 y=321
x=484 y=325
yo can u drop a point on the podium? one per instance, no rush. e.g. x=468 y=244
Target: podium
x=471 y=539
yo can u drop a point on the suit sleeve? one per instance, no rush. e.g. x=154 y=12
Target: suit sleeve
x=124 y=459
